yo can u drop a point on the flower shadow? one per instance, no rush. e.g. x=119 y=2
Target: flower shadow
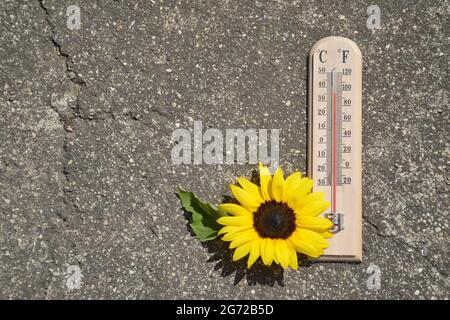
x=222 y=256
x=258 y=274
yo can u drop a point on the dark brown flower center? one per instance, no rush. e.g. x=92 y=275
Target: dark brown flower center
x=274 y=220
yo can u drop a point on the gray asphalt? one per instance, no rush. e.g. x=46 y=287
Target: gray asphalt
x=86 y=178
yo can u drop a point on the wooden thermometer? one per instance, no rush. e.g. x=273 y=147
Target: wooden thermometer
x=334 y=150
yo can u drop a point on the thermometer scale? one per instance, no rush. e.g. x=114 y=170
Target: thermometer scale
x=334 y=152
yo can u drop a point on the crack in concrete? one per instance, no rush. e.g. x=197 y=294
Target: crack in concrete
x=401 y=240
x=151 y=126
x=79 y=82
x=73 y=76
x=65 y=118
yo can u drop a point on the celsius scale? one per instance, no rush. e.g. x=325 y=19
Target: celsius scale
x=334 y=146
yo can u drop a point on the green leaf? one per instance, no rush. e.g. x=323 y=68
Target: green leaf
x=204 y=216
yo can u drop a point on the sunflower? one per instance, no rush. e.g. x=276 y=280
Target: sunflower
x=276 y=219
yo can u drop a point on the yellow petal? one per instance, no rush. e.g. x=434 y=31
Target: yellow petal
x=308 y=242
x=231 y=236
x=326 y=235
x=262 y=248
x=251 y=188
x=267 y=251
x=254 y=252
x=265 y=180
x=312 y=237
x=234 y=209
x=232 y=229
x=313 y=223
x=278 y=185
x=313 y=209
x=236 y=220
x=296 y=196
x=305 y=248
x=245 y=198
x=282 y=253
x=312 y=197
x=291 y=184
x=242 y=251
x=293 y=260
x=243 y=237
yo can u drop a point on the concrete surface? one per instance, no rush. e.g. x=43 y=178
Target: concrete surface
x=86 y=179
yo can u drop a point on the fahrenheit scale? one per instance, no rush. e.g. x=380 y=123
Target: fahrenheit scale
x=334 y=153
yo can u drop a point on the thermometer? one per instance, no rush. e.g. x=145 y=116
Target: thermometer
x=334 y=149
